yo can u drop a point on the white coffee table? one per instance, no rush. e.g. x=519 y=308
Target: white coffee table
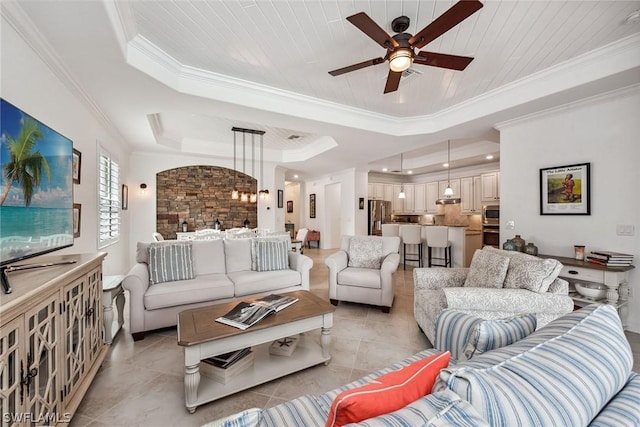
x=203 y=337
x=112 y=289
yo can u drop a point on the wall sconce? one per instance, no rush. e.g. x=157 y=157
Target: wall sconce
x=143 y=188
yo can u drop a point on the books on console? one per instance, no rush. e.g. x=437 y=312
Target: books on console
x=246 y=313
x=610 y=258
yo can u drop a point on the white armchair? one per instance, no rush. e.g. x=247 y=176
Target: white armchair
x=362 y=271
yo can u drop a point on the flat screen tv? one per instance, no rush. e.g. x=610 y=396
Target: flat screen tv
x=36 y=189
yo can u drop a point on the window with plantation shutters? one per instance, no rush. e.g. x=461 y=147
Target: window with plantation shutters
x=109 y=201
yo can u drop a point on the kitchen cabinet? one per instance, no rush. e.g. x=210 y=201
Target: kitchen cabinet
x=409 y=201
x=455 y=186
x=388 y=192
x=470 y=192
x=397 y=204
x=419 y=200
x=431 y=195
x=490 y=183
x=375 y=190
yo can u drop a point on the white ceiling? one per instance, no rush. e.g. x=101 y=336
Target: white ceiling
x=177 y=75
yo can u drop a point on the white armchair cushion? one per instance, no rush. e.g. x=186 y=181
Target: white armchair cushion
x=365 y=252
x=362 y=277
x=487 y=270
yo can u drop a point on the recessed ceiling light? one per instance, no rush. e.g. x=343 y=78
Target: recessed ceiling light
x=384 y=169
x=489 y=157
x=295 y=176
x=409 y=172
x=445 y=165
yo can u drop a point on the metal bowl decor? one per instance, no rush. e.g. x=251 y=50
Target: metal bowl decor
x=592 y=291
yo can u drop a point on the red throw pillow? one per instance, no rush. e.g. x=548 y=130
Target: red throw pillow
x=388 y=393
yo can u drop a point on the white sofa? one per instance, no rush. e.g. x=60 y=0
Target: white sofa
x=528 y=284
x=222 y=272
x=369 y=280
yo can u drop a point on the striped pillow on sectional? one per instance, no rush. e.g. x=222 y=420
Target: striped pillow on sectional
x=624 y=410
x=453 y=328
x=169 y=262
x=563 y=381
x=491 y=334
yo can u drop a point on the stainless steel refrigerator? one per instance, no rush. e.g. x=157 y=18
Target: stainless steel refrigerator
x=379 y=213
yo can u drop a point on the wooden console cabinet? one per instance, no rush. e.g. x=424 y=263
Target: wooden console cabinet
x=51 y=344
x=614 y=278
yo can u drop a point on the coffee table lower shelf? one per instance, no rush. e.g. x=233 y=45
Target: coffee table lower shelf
x=266 y=367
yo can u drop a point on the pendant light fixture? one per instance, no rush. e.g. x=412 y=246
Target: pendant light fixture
x=401 y=195
x=235 y=195
x=262 y=194
x=448 y=192
x=253 y=197
x=244 y=197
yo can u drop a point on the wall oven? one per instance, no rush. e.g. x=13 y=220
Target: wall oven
x=491 y=226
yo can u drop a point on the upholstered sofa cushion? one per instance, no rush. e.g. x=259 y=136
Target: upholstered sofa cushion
x=435 y=410
x=363 y=277
x=527 y=271
x=566 y=380
x=248 y=282
x=207 y=287
x=170 y=262
x=237 y=254
x=365 y=252
x=487 y=270
x=208 y=257
x=624 y=408
x=491 y=334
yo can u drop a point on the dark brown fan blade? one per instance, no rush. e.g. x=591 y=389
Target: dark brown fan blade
x=442 y=60
x=373 y=30
x=354 y=67
x=452 y=17
x=393 y=81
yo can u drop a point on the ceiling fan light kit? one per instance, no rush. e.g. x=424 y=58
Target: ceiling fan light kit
x=401 y=47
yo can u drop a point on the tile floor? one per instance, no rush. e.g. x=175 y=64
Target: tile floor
x=141 y=383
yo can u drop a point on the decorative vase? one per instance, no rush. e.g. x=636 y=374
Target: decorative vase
x=509 y=245
x=519 y=242
x=579 y=252
x=531 y=249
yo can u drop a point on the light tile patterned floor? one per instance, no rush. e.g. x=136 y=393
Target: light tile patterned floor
x=141 y=383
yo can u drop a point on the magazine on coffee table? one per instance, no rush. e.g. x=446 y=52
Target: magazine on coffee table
x=246 y=314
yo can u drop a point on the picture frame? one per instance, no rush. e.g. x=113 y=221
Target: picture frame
x=361 y=203
x=76 y=163
x=312 y=205
x=77 y=216
x=566 y=190
x=289 y=206
x=125 y=197
x=280 y=198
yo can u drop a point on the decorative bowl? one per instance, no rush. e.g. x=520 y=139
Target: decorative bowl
x=591 y=291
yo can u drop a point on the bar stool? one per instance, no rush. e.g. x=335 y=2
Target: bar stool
x=390 y=230
x=438 y=237
x=411 y=235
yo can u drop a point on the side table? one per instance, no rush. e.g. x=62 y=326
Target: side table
x=112 y=289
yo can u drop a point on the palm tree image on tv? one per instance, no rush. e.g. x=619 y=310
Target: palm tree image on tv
x=26 y=166
x=36 y=187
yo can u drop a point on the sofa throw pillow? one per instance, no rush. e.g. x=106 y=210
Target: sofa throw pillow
x=491 y=334
x=365 y=252
x=527 y=271
x=565 y=380
x=270 y=255
x=487 y=270
x=170 y=262
x=387 y=393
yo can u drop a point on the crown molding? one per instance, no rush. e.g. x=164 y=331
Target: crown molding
x=15 y=16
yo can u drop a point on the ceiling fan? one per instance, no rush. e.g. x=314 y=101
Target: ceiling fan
x=401 y=47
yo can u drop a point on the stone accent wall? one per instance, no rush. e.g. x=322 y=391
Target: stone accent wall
x=199 y=195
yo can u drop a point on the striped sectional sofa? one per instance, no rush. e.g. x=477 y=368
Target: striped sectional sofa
x=575 y=371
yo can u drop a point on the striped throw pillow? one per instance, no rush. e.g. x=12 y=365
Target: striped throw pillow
x=271 y=255
x=170 y=262
x=563 y=381
x=491 y=334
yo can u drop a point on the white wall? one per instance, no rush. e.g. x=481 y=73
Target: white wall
x=292 y=193
x=31 y=85
x=602 y=131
